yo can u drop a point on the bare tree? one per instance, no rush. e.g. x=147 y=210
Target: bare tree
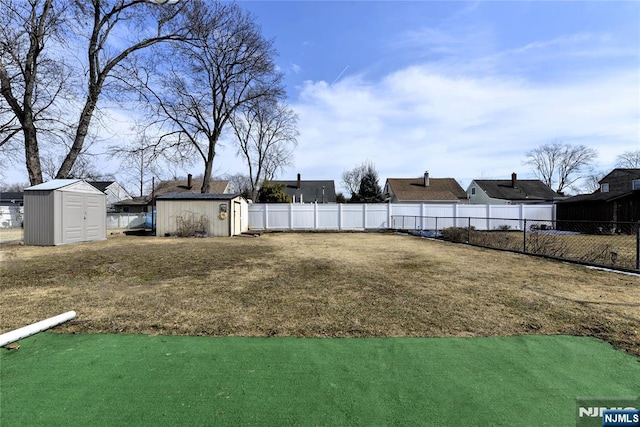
x=241 y=184
x=629 y=159
x=83 y=168
x=140 y=161
x=592 y=180
x=352 y=178
x=226 y=65
x=34 y=76
x=266 y=134
x=106 y=18
x=560 y=165
x=30 y=80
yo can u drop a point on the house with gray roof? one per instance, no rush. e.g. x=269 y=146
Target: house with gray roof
x=115 y=192
x=309 y=191
x=424 y=189
x=510 y=191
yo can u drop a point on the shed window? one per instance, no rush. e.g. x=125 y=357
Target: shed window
x=635 y=184
x=473 y=191
x=604 y=187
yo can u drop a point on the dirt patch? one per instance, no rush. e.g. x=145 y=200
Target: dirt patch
x=313 y=284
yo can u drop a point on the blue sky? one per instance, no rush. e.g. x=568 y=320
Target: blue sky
x=461 y=89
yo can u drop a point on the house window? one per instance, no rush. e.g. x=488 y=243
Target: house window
x=635 y=184
x=604 y=187
x=473 y=191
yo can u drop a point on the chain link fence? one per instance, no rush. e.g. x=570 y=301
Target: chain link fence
x=603 y=244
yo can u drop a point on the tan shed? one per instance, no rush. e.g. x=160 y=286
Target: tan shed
x=189 y=214
x=64 y=211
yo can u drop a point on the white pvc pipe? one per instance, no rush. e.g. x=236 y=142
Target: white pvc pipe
x=34 y=328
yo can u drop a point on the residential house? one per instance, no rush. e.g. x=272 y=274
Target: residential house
x=114 y=191
x=617 y=199
x=305 y=191
x=510 y=192
x=11 y=209
x=424 y=190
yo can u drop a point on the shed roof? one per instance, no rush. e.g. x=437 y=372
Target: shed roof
x=197 y=196
x=54 y=184
x=413 y=189
x=525 y=189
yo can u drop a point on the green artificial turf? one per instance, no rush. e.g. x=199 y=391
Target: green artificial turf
x=57 y=379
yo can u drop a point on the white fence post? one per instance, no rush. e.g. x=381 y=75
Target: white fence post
x=340 y=216
x=291 y=216
x=315 y=216
x=364 y=216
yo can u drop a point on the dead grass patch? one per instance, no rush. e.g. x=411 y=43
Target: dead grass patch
x=313 y=285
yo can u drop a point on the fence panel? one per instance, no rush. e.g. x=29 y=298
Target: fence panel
x=126 y=220
x=408 y=216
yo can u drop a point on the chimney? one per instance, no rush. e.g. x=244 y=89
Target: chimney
x=298 y=184
x=514 y=180
x=426 y=178
x=189 y=181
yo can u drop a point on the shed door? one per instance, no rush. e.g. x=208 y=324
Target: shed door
x=73 y=218
x=237 y=218
x=94 y=211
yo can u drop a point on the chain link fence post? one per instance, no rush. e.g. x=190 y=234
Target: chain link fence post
x=524 y=236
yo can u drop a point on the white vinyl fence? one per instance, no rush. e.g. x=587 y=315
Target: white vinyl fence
x=418 y=216
x=125 y=220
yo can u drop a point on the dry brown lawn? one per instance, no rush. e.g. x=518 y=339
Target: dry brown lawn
x=313 y=285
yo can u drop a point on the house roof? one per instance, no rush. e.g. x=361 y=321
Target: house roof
x=197 y=196
x=630 y=174
x=310 y=190
x=598 y=196
x=12 y=196
x=134 y=201
x=525 y=189
x=101 y=185
x=216 y=186
x=413 y=189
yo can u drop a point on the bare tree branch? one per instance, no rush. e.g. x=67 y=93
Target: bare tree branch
x=560 y=165
x=266 y=134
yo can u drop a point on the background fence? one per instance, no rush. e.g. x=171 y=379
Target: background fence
x=415 y=216
x=126 y=220
x=605 y=244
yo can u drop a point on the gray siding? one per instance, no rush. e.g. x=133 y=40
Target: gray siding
x=39 y=227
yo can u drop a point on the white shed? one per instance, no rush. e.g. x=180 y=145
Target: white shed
x=64 y=211
x=189 y=214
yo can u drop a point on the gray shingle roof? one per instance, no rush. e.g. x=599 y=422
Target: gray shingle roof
x=439 y=189
x=310 y=190
x=525 y=189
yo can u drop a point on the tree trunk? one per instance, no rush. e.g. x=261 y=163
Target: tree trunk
x=81 y=134
x=32 y=152
x=208 y=166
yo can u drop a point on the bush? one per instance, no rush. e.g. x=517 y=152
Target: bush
x=457 y=234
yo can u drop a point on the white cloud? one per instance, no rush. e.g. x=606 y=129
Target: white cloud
x=463 y=127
